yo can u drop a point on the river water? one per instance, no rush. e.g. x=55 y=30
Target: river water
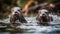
x=33 y=28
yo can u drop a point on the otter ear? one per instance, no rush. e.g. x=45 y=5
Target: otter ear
x=21 y=9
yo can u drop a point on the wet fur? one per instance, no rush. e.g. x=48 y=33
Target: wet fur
x=21 y=19
x=43 y=20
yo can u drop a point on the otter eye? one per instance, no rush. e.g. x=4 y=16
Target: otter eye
x=18 y=10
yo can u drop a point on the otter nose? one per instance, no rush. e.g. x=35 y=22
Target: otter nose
x=43 y=14
x=16 y=12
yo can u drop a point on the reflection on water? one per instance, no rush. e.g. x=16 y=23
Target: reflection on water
x=33 y=28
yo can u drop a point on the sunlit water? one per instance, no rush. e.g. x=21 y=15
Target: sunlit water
x=33 y=28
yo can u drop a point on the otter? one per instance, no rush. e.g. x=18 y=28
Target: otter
x=43 y=17
x=16 y=16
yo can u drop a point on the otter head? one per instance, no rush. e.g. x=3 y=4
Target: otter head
x=43 y=12
x=16 y=11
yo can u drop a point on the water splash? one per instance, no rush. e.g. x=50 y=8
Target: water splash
x=32 y=25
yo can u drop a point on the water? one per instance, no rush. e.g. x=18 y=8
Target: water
x=33 y=28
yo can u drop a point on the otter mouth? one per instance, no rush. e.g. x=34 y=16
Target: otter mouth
x=16 y=15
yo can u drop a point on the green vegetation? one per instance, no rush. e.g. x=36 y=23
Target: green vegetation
x=21 y=3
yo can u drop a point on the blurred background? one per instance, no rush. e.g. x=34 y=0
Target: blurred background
x=6 y=5
x=5 y=10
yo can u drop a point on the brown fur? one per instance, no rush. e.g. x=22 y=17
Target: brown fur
x=43 y=20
